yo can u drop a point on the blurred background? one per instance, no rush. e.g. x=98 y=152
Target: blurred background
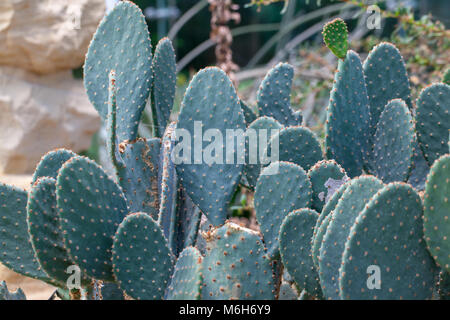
x=43 y=43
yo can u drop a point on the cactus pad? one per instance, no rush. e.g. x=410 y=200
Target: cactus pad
x=295 y=249
x=51 y=162
x=5 y=294
x=274 y=96
x=142 y=261
x=210 y=178
x=335 y=36
x=433 y=121
x=187 y=277
x=91 y=208
x=348 y=117
x=282 y=187
x=437 y=211
x=236 y=265
x=121 y=43
x=388 y=234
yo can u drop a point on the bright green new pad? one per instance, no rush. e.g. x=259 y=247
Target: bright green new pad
x=437 y=212
x=51 y=162
x=386 y=79
x=235 y=266
x=186 y=280
x=298 y=145
x=295 y=248
x=121 y=43
x=45 y=230
x=258 y=136
x=164 y=84
x=142 y=261
x=393 y=143
x=138 y=174
x=274 y=96
x=433 y=121
x=348 y=117
x=91 y=206
x=319 y=174
x=356 y=196
x=16 y=250
x=5 y=294
x=282 y=187
x=335 y=36
x=210 y=171
x=387 y=241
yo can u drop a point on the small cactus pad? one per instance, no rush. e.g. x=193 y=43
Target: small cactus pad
x=444 y=285
x=91 y=206
x=16 y=250
x=51 y=163
x=295 y=249
x=5 y=294
x=287 y=292
x=356 y=196
x=393 y=143
x=236 y=266
x=121 y=43
x=433 y=121
x=249 y=115
x=298 y=145
x=164 y=84
x=274 y=96
x=335 y=36
x=387 y=237
x=187 y=277
x=45 y=230
x=282 y=187
x=138 y=174
x=210 y=171
x=348 y=117
x=386 y=79
x=142 y=261
x=258 y=136
x=437 y=212
x=319 y=174
x=419 y=168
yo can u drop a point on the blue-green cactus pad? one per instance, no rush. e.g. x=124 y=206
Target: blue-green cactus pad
x=44 y=227
x=164 y=84
x=393 y=148
x=348 y=117
x=319 y=175
x=444 y=285
x=121 y=43
x=235 y=266
x=433 y=121
x=295 y=248
x=356 y=196
x=255 y=131
x=419 y=168
x=91 y=206
x=16 y=250
x=282 y=187
x=249 y=115
x=5 y=294
x=386 y=79
x=437 y=211
x=211 y=101
x=287 y=292
x=51 y=162
x=141 y=258
x=298 y=145
x=274 y=96
x=138 y=174
x=186 y=280
x=388 y=234
x=317 y=239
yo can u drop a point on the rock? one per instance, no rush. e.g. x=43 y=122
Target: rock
x=41 y=113
x=47 y=36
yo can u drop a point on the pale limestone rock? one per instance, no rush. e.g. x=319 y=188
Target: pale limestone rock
x=41 y=113
x=46 y=36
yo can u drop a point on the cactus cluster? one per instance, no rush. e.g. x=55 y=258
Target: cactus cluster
x=158 y=227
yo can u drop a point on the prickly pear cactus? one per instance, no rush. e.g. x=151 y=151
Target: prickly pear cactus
x=335 y=36
x=51 y=162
